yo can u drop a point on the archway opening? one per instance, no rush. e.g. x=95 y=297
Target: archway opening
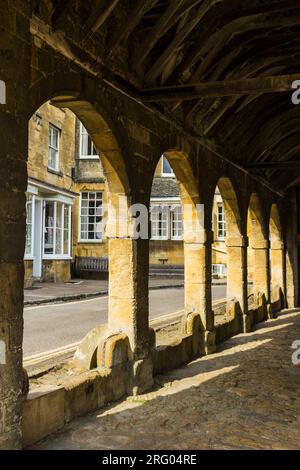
x=276 y=256
x=219 y=256
x=166 y=250
x=76 y=177
x=257 y=254
x=235 y=245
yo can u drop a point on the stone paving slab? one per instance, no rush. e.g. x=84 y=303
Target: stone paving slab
x=244 y=397
x=44 y=292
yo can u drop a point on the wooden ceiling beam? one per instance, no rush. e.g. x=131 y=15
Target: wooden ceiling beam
x=59 y=11
x=158 y=66
x=171 y=16
x=248 y=86
x=286 y=165
x=98 y=16
x=131 y=22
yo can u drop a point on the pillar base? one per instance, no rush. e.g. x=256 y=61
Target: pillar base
x=246 y=324
x=210 y=346
x=141 y=379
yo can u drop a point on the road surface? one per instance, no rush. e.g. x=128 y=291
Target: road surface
x=52 y=326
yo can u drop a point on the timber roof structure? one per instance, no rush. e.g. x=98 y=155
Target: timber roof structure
x=222 y=69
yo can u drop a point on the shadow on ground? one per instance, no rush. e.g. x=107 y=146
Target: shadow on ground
x=244 y=397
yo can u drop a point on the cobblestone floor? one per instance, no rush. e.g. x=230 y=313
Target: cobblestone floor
x=244 y=397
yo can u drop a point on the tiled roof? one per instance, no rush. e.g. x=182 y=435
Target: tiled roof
x=164 y=187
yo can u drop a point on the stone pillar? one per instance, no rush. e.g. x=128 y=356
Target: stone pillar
x=277 y=269
x=15 y=73
x=292 y=243
x=197 y=284
x=128 y=309
x=128 y=305
x=237 y=288
x=261 y=268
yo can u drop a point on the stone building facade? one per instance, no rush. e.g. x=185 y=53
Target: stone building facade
x=67 y=199
x=50 y=195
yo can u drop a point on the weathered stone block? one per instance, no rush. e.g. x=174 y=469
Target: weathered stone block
x=43 y=413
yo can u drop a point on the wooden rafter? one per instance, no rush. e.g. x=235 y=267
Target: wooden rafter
x=133 y=19
x=98 y=16
x=158 y=66
x=171 y=16
x=275 y=84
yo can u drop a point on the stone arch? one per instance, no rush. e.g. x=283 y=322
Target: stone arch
x=258 y=250
x=276 y=256
x=197 y=242
x=90 y=104
x=236 y=245
x=231 y=206
x=128 y=301
x=193 y=211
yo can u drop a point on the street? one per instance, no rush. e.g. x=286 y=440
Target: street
x=52 y=326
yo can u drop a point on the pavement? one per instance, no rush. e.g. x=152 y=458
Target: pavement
x=76 y=289
x=244 y=397
x=57 y=325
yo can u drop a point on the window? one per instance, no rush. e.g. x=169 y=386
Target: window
x=221 y=222
x=159 y=222
x=219 y=270
x=57 y=229
x=91 y=213
x=166 y=168
x=166 y=222
x=53 y=156
x=176 y=223
x=29 y=227
x=87 y=148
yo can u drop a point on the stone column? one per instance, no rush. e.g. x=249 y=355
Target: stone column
x=128 y=305
x=197 y=284
x=13 y=182
x=277 y=269
x=261 y=268
x=128 y=309
x=237 y=288
x=15 y=73
x=292 y=243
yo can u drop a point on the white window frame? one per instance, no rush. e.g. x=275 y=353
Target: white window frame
x=219 y=269
x=171 y=174
x=177 y=221
x=83 y=132
x=57 y=150
x=95 y=240
x=169 y=208
x=61 y=255
x=162 y=207
x=30 y=256
x=221 y=223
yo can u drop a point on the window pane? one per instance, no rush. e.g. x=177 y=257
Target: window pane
x=59 y=231
x=176 y=217
x=167 y=169
x=53 y=152
x=87 y=148
x=29 y=226
x=221 y=222
x=49 y=228
x=67 y=230
x=91 y=216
